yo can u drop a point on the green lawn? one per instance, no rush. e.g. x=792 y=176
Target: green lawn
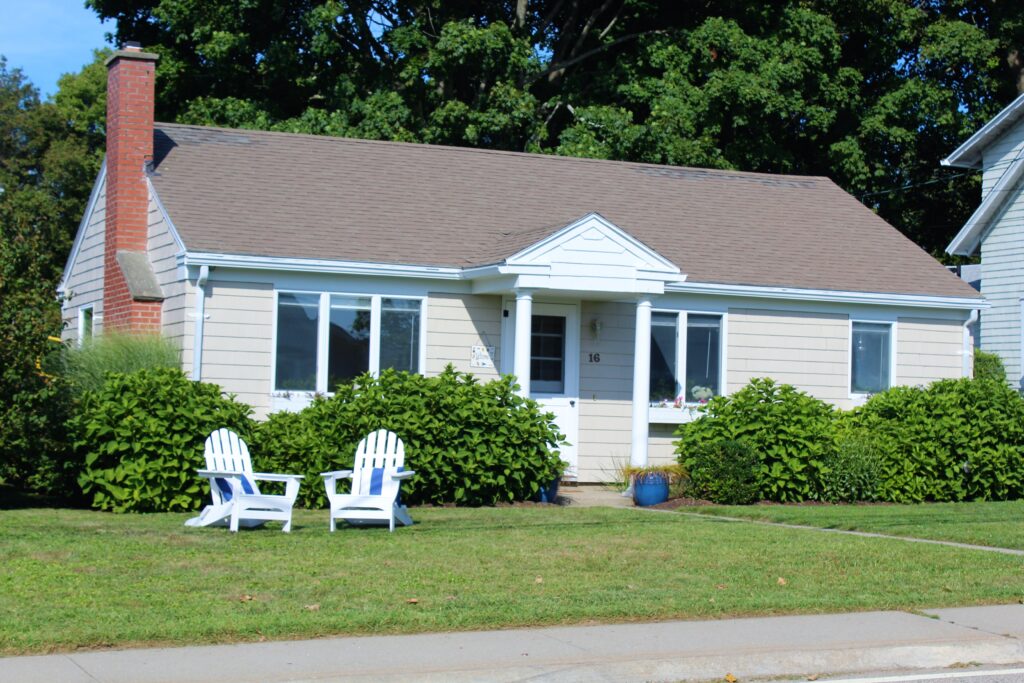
x=72 y=579
x=994 y=524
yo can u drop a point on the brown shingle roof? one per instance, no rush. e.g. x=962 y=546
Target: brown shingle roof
x=277 y=194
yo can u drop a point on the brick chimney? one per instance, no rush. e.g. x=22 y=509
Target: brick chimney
x=130 y=302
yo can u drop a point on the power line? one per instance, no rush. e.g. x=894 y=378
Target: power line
x=908 y=186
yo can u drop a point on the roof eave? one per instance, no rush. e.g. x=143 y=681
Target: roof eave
x=970 y=236
x=968 y=155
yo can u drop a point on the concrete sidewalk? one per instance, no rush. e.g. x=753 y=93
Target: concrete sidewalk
x=750 y=649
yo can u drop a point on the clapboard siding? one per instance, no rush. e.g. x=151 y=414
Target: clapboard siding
x=85 y=281
x=807 y=350
x=927 y=350
x=1002 y=283
x=237 y=346
x=163 y=253
x=458 y=322
x=998 y=156
x=606 y=390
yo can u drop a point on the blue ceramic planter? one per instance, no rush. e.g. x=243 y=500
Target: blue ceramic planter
x=650 y=490
x=547 y=494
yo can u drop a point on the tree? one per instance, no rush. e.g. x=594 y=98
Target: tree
x=870 y=94
x=50 y=153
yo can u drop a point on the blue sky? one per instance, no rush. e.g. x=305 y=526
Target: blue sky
x=47 y=38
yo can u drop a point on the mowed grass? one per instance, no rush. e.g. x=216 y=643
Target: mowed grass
x=78 y=579
x=998 y=524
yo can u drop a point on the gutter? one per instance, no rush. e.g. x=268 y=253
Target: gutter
x=197 y=350
x=968 y=352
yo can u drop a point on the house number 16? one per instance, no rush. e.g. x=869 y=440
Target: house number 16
x=593 y=358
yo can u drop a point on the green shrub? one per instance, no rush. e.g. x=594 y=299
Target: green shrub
x=469 y=443
x=724 y=472
x=789 y=431
x=86 y=367
x=139 y=439
x=955 y=440
x=853 y=469
x=988 y=365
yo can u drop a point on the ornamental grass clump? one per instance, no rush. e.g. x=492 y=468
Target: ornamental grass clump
x=85 y=368
x=470 y=443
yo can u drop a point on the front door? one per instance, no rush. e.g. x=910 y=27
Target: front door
x=555 y=368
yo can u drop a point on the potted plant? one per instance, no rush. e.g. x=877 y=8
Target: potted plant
x=651 y=483
x=548 y=491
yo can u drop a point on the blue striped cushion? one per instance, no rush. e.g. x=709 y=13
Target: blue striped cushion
x=225 y=487
x=376 y=481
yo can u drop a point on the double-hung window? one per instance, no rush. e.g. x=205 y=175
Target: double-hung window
x=686 y=357
x=85 y=323
x=325 y=339
x=870 y=357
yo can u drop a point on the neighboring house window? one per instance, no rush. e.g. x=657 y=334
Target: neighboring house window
x=870 y=357
x=685 y=369
x=325 y=339
x=85 y=324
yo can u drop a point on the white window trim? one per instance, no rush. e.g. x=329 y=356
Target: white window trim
x=860 y=397
x=298 y=398
x=81 y=322
x=681 y=327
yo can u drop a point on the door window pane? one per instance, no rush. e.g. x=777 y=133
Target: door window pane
x=703 y=357
x=348 y=350
x=547 y=354
x=297 y=322
x=400 y=334
x=870 y=358
x=664 y=387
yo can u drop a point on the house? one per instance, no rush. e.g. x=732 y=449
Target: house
x=996 y=230
x=284 y=264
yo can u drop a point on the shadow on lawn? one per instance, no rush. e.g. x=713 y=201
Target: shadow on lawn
x=13 y=499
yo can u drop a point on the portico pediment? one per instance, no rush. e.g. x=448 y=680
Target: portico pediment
x=592 y=254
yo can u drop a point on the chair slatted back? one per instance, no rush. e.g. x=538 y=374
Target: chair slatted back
x=226 y=452
x=378 y=455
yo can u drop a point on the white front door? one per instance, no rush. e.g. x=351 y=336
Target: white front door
x=554 y=368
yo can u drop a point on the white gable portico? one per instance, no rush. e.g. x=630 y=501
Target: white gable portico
x=587 y=260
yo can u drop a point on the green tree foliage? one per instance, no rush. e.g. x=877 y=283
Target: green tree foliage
x=988 y=365
x=49 y=156
x=870 y=94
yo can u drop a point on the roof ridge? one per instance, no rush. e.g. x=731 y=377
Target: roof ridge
x=501 y=152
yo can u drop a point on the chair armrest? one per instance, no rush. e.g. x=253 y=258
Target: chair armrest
x=404 y=474
x=263 y=476
x=337 y=474
x=210 y=474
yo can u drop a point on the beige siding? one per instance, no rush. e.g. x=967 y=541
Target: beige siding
x=927 y=350
x=163 y=251
x=237 y=340
x=660 y=449
x=458 y=322
x=606 y=390
x=808 y=350
x=85 y=281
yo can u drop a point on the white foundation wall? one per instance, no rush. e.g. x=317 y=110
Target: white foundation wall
x=85 y=281
x=458 y=322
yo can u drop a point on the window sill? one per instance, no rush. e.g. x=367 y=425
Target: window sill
x=672 y=416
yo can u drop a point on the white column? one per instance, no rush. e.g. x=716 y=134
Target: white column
x=641 y=383
x=524 y=318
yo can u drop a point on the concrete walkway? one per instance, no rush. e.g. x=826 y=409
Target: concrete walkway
x=750 y=649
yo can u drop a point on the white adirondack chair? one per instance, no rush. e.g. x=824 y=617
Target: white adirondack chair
x=237 y=500
x=376 y=477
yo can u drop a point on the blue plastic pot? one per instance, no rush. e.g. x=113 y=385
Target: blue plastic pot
x=547 y=494
x=650 y=490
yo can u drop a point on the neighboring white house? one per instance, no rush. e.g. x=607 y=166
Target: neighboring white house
x=286 y=263
x=996 y=229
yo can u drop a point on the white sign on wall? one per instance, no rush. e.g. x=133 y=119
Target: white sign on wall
x=482 y=357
